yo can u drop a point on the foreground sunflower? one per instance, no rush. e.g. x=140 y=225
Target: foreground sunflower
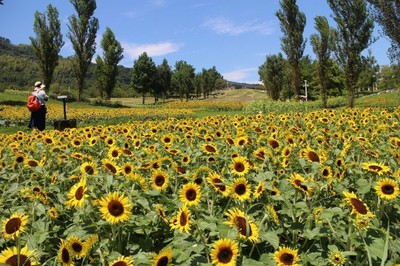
x=336 y=258
x=77 y=247
x=159 y=179
x=122 y=261
x=240 y=189
x=378 y=168
x=285 y=256
x=115 y=208
x=76 y=195
x=64 y=254
x=163 y=258
x=224 y=252
x=387 y=189
x=299 y=182
x=190 y=194
x=240 y=166
x=14 y=226
x=88 y=168
x=216 y=181
x=247 y=229
x=358 y=207
x=14 y=257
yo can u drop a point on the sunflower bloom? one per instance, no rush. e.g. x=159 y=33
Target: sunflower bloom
x=336 y=258
x=64 y=254
x=11 y=256
x=285 y=256
x=115 y=208
x=387 y=189
x=378 y=168
x=182 y=220
x=77 y=247
x=299 y=182
x=122 y=261
x=259 y=190
x=159 y=179
x=76 y=195
x=88 y=168
x=248 y=230
x=163 y=258
x=224 y=252
x=14 y=226
x=240 y=189
x=215 y=180
x=358 y=207
x=190 y=194
x=209 y=148
x=240 y=166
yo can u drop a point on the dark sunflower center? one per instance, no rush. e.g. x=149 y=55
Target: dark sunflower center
x=159 y=180
x=274 y=144
x=120 y=263
x=79 y=193
x=287 y=258
x=376 y=168
x=19 y=159
x=77 y=247
x=325 y=172
x=217 y=183
x=115 y=208
x=240 y=189
x=183 y=219
x=65 y=257
x=191 y=194
x=239 y=167
x=225 y=255
x=13 y=260
x=313 y=156
x=111 y=168
x=32 y=163
x=89 y=170
x=13 y=225
x=241 y=223
x=163 y=261
x=114 y=153
x=210 y=148
x=261 y=155
x=128 y=170
x=358 y=206
x=303 y=187
x=387 y=189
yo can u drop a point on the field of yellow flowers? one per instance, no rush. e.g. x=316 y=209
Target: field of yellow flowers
x=299 y=188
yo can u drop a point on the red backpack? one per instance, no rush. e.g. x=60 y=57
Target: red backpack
x=33 y=103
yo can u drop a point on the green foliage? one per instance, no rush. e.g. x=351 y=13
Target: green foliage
x=183 y=79
x=272 y=73
x=144 y=75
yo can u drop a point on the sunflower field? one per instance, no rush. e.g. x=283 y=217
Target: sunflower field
x=298 y=188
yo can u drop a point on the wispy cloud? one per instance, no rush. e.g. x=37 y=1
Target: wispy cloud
x=226 y=26
x=242 y=75
x=133 y=50
x=157 y=3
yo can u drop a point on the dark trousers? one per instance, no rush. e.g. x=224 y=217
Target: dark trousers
x=38 y=119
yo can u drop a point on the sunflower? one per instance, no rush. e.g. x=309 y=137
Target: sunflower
x=122 y=261
x=285 y=256
x=64 y=254
x=378 y=168
x=240 y=166
x=358 y=207
x=299 y=182
x=127 y=169
x=259 y=190
x=310 y=155
x=52 y=212
x=76 y=142
x=240 y=189
x=159 y=179
x=262 y=153
x=247 y=228
x=241 y=141
x=167 y=139
x=115 y=208
x=15 y=225
x=109 y=141
x=182 y=220
x=215 y=180
x=326 y=172
x=160 y=211
x=272 y=213
x=76 y=195
x=14 y=257
x=190 y=194
x=387 y=189
x=31 y=163
x=114 y=152
x=336 y=258
x=77 y=247
x=88 y=168
x=209 y=148
x=224 y=252
x=111 y=166
x=163 y=258
x=273 y=143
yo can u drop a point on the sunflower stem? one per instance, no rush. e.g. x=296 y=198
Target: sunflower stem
x=201 y=234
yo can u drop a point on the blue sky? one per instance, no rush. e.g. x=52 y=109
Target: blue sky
x=235 y=36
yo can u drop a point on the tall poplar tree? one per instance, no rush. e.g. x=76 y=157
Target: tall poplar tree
x=292 y=23
x=322 y=47
x=387 y=13
x=107 y=67
x=272 y=74
x=353 y=36
x=47 y=43
x=82 y=34
x=183 y=79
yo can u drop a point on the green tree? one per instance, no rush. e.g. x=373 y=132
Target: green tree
x=163 y=81
x=353 y=35
x=183 y=79
x=47 y=43
x=144 y=75
x=292 y=23
x=322 y=47
x=272 y=74
x=369 y=74
x=387 y=13
x=82 y=34
x=107 y=67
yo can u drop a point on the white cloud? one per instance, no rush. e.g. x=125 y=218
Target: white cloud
x=225 y=26
x=133 y=50
x=242 y=75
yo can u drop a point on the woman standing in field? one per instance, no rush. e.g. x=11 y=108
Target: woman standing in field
x=38 y=118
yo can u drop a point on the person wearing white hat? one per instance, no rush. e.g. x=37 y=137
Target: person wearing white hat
x=38 y=118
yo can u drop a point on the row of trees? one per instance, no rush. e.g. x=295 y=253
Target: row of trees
x=147 y=78
x=352 y=36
